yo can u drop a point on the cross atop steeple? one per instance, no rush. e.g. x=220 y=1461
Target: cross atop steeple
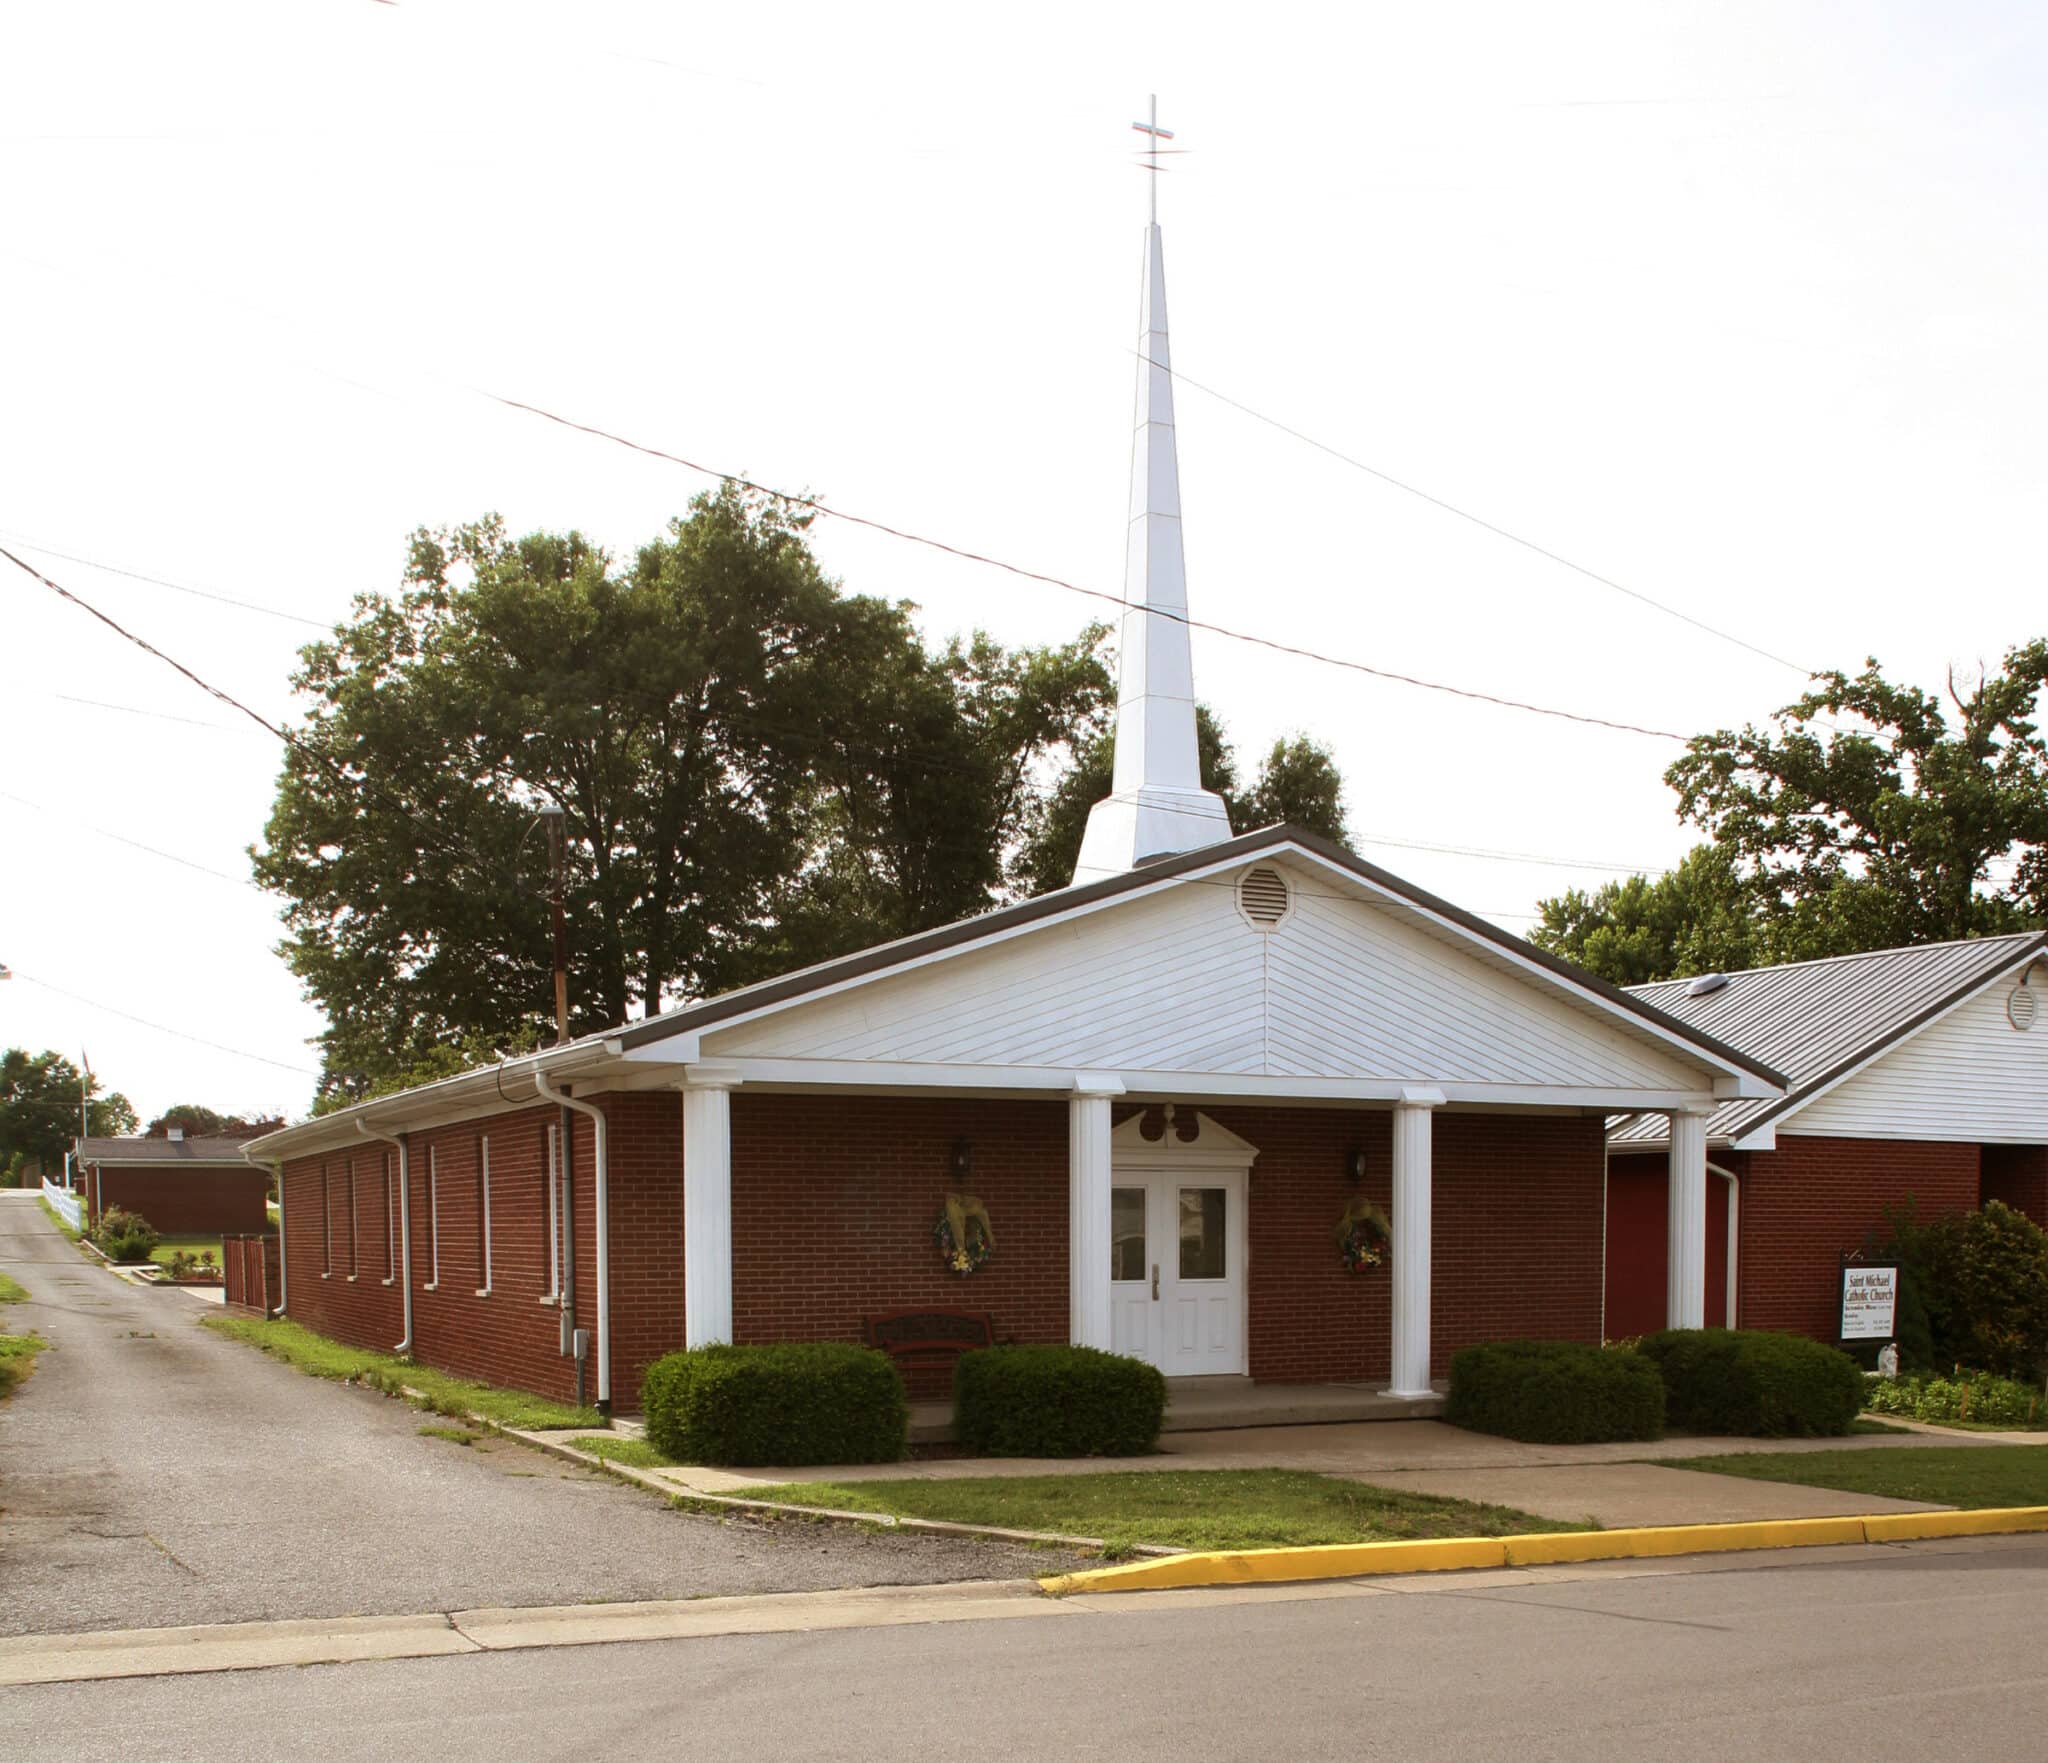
x=1157 y=135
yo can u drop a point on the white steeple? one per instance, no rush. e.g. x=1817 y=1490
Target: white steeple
x=1156 y=805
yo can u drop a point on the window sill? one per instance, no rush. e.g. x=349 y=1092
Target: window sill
x=327 y=1276
x=435 y=1287
x=483 y=1291
x=388 y=1282
x=553 y=1300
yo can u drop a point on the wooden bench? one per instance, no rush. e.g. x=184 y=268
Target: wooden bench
x=916 y=1338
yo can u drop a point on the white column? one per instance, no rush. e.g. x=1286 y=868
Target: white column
x=1089 y=1321
x=1685 y=1260
x=1411 y=1245
x=707 y=1206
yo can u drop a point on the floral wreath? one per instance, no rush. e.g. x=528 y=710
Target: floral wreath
x=964 y=1235
x=1363 y=1237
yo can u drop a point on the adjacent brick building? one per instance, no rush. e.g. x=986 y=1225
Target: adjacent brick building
x=1919 y=1077
x=184 y=1187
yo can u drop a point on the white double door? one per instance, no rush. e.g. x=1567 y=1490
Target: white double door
x=1177 y=1269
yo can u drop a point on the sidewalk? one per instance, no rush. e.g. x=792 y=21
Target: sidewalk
x=1614 y=1485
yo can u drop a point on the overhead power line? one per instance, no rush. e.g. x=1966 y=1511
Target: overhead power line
x=158 y=581
x=1478 y=520
x=240 y=881
x=165 y=1028
x=1017 y=569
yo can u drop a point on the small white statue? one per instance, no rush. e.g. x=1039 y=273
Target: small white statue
x=1888 y=1360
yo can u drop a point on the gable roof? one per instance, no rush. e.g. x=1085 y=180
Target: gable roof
x=1820 y=1020
x=906 y=951
x=594 y=1054
x=140 y=1150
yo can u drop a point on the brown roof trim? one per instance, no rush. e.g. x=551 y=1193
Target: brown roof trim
x=1026 y=912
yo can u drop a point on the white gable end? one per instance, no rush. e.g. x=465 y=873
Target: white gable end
x=1969 y=1076
x=1180 y=981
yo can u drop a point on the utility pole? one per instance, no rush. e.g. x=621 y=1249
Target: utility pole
x=565 y=1121
x=551 y=812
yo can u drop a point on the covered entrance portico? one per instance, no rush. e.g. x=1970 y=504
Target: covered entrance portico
x=1177 y=1153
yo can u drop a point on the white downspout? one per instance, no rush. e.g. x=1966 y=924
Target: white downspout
x=1734 y=1182
x=599 y=1198
x=283 y=1277
x=404 y=1225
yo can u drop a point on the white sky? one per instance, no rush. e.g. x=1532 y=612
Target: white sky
x=1739 y=305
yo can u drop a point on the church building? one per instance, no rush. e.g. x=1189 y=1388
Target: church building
x=1235 y=1102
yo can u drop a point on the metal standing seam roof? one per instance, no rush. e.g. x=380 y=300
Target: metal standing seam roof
x=136 y=1150
x=1816 y=1020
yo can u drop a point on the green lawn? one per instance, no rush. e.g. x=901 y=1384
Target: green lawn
x=57 y=1218
x=318 y=1356
x=192 y=1246
x=1193 y=1509
x=17 y=1351
x=1947 y=1475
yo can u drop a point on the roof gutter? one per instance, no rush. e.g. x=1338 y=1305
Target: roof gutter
x=368 y=1131
x=600 y=1205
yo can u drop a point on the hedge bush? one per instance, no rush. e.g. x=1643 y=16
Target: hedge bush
x=1977 y=1397
x=122 y=1235
x=1057 y=1402
x=1555 y=1392
x=1755 y=1384
x=809 y=1402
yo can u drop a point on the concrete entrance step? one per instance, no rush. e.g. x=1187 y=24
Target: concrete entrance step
x=1217 y=1404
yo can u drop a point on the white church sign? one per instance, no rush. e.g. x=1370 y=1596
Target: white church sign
x=1870 y=1301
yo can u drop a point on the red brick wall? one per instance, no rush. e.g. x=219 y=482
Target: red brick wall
x=834 y=1199
x=181 y=1200
x=509 y=1336
x=1813 y=1199
x=1515 y=1237
x=2018 y=1175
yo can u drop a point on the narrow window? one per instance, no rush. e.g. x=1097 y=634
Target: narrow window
x=483 y=1214
x=551 y=1195
x=355 y=1258
x=326 y=1223
x=434 y=1218
x=390 y=1222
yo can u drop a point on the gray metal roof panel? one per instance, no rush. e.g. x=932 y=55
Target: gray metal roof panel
x=140 y=1150
x=1815 y=1019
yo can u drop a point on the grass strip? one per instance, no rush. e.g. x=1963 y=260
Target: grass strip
x=1190 y=1509
x=192 y=1246
x=12 y=1291
x=57 y=1218
x=1944 y=1475
x=633 y=1453
x=318 y=1356
x=17 y=1359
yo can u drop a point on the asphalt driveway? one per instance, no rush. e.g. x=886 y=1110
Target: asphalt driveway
x=152 y=1472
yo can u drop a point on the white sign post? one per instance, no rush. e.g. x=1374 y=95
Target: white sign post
x=1870 y=1301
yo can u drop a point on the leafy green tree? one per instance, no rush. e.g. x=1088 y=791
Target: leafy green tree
x=1701 y=918
x=753 y=767
x=1297 y=782
x=39 y=1111
x=195 y=1121
x=1869 y=815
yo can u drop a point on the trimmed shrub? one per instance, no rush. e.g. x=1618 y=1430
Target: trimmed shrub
x=1755 y=1384
x=1556 y=1392
x=804 y=1402
x=121 y=1235
x=1057 y=1402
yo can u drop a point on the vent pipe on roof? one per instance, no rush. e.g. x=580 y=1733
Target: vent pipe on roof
x=1706 y=985
x=174 y=1133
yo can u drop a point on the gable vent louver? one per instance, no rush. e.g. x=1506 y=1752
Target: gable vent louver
x=1264 y=898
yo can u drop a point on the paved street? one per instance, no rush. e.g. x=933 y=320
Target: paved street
x=153 y=1473
x=1932 y=1651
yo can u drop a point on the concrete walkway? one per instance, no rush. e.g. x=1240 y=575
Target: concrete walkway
x=153 y=1472
x=1611 y=1484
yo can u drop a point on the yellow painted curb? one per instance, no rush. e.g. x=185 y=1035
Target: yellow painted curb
x=1906 y=1527
x=1357 y=1560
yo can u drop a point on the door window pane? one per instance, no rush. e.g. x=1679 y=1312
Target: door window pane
x=1201 y=1233
x=1126 y=1233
